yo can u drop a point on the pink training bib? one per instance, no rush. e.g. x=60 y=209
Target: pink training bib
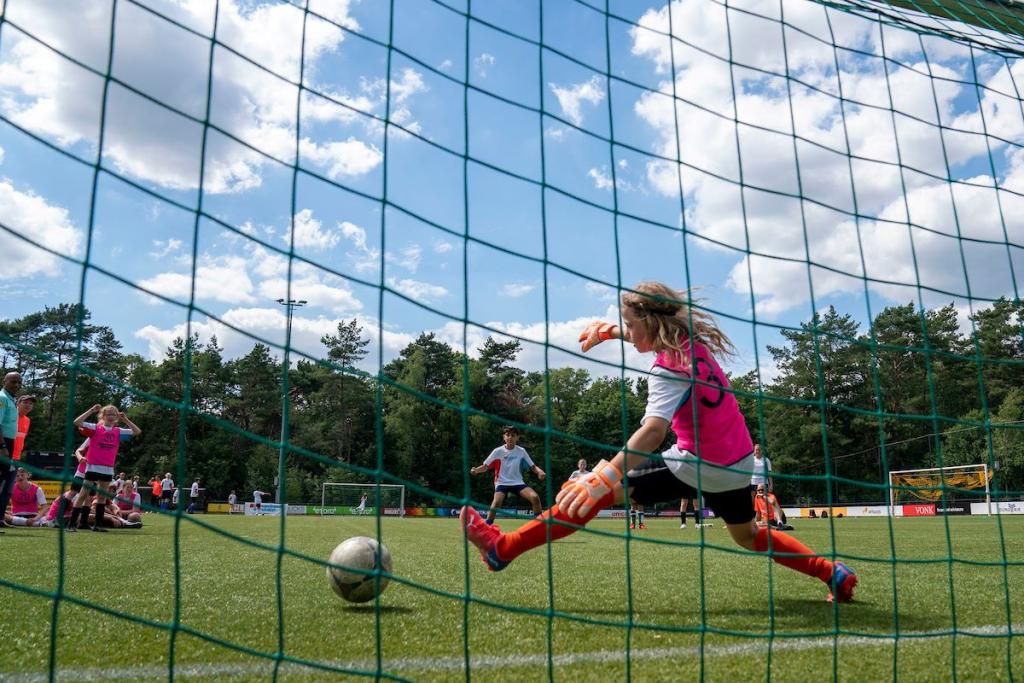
x=24 y=501
x=103 y=446
x=723 y=435
x=55 y=505
x=126 y=505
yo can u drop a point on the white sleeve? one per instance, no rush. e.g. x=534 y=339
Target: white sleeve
x=492 y=457
x=767 y=467
x=40 y=496
x=666 y=391
x=527 y=458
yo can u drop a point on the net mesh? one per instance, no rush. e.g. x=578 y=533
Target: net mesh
x=768 y=168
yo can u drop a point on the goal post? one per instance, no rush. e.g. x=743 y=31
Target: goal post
x=344 y=498
x=936 y=483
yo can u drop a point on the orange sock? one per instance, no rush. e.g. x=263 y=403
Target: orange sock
x=535 y=532
x=812 y=565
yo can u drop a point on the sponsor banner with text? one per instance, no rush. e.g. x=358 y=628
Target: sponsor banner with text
x=918 y=510
x=829 y=512
x=953 y=509
x=1009 y=507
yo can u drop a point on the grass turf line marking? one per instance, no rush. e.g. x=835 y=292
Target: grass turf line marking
x=399 y=664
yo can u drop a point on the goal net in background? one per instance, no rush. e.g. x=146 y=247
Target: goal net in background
x=809 y=163
x=343 y=498
x=963 y=484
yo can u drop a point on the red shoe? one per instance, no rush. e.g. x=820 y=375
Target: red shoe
x=632 y=526
x=643 y=526
x=844 y=580
x=484 y=536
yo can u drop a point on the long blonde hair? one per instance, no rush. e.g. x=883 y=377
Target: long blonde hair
x=670 y=318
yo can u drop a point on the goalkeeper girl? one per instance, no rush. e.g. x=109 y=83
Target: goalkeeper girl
x=713 y=453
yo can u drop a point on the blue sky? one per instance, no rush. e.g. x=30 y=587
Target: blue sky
x=740 y=120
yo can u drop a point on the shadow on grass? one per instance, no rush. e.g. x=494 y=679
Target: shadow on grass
x=369 y=608
x=791 y=614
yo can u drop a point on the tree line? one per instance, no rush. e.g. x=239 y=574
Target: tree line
x=911 y=390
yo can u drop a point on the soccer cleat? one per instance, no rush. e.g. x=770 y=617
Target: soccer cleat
x=632 y=526
x=643 y=526
x=844 y=580
x=484 y=536
x=683 y=525
x=93 y=527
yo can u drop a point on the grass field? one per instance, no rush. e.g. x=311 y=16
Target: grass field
x=674 y=625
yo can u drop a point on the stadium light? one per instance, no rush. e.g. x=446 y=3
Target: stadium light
x=290 y=306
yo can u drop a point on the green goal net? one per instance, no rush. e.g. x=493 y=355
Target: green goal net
x=348 y=242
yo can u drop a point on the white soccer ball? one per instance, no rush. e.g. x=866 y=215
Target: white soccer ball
x=358 y=553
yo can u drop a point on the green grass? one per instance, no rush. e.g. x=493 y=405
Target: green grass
x=746 y=620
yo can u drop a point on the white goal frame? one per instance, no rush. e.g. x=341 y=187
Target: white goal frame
x=982 y=467
x=364 y=487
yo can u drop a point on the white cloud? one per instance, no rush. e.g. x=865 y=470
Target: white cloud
x=445 y=65
x=224 y=279
x=482 y=63
x=349 y=158
x=570 y=98
x=164 y=248
x=443 y=247
x=28 y=214
x=309 y=233
x=409 y=257
x=424 y=292
x=1 y=155
x=602 y=181
x=775 y=221
x=328 y=291
x=515 y=290
x=57 y=99
x=269 y=323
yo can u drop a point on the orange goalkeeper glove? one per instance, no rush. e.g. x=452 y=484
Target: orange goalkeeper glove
x=597 y=332
x=579 y=496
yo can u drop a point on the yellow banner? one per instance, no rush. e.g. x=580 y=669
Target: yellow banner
x=930 y=486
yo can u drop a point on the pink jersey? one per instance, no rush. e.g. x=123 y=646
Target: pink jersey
x=127 y=503
x=52 y=514
x=103 y=444
x=724 y=437
x=23 y=501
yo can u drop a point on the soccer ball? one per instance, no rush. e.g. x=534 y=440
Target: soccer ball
x=358 y=552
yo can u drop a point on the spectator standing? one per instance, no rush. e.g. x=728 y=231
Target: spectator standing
x=193 y=496
x=9 y=432
x=581 y=470
x=154 y=488
x=166 y=491
x=232 y=501
x=761 y=474
x=25 y=405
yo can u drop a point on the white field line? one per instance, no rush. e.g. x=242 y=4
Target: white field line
x=483 y=662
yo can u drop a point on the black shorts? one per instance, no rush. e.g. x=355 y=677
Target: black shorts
x=97 y=476
x=510 y=488
x=76 y=484
x=656 y=484
x=166 y=495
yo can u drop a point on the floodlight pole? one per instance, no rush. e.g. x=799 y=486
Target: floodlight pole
x=290 y=305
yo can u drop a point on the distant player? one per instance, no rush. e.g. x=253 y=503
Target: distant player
x=257 y=501
x=508 y=478
x=581 y=470
x=697 y=506
x=28 y=502
x=689 y=393
x=166 y=491
x=105 y=438
x=193 y=497
x=232 y=501
x=361 y=508
x=768 y=511
x=636 y=516
x=129 y=504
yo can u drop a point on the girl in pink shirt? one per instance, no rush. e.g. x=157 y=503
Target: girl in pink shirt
x=105 y=438
x=712 y=455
